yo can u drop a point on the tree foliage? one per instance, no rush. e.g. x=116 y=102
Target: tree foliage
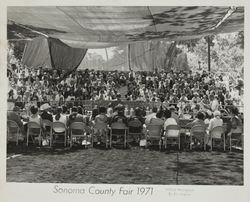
x=227 y=53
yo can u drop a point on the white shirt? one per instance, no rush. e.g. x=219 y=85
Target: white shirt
x=215 y=122
x=169 y=121
x=214 y=105
x=62 y=119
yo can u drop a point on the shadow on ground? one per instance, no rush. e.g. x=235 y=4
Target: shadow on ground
x=123 y=166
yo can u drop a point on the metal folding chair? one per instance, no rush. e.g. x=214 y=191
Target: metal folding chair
x=102 y=130
x=236 y=135
x=218 y=133
x=13 y=130
x=34 y=129
x=122 y=128
x=59 y=129
x=77 y=130
x=48 y=124
x=172 y=132
x=135 y=129
x=154 y=132
x=199 y=133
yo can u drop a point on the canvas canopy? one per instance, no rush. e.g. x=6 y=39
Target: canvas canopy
x=52 y=53
x=96 y=27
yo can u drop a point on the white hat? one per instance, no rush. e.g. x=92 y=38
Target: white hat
x=45 y=106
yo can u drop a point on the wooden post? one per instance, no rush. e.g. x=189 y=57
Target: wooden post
x=208 y=53
x=107 y=57
x=129 y=65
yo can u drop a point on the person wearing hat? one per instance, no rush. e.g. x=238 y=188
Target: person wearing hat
x=45 y=112
x=173 y=114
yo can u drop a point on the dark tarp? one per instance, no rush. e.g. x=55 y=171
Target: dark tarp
x=36 y=53
x=52 y=53
x=64 y=56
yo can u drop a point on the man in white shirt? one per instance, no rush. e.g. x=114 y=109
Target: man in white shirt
x=214 y=103
x=150 y=116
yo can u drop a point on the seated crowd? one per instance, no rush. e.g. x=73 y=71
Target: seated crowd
x=107 y=116
x=28 y=84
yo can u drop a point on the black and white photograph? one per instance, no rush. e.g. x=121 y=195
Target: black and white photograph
x=148 y=95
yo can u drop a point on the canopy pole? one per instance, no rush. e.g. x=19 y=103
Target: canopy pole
x=107 y=57
x=208 y=53
x=129 y=65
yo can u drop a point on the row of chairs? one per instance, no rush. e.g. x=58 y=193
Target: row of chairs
x=154 y=133
x=196 y=132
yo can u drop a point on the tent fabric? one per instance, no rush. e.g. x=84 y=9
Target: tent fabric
x=143 y=56
x=114 y=62
x=36 y=53
x=52 y=53
x=97 y=27
x=63 y=56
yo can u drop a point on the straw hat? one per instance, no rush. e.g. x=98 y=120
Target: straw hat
x=45 y=107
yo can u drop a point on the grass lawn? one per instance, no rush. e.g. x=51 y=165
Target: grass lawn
x=130 y=166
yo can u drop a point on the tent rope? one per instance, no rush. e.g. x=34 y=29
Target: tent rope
x=25 y=27
x=230 y=11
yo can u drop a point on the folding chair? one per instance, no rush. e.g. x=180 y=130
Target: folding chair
x=59 y=129
x=236 y=135
x=154 y=132
x=13 y=130
x=34 y=129
x=77 y=130
x=135 y=129
x=199 y=133
x=122 y=128
x=218 y=133
x=48 y=124
x=102 y=129
x=172 y=132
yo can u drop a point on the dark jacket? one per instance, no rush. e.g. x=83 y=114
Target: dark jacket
x=45 y=115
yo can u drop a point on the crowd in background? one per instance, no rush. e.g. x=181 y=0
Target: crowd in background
x=187 y=89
